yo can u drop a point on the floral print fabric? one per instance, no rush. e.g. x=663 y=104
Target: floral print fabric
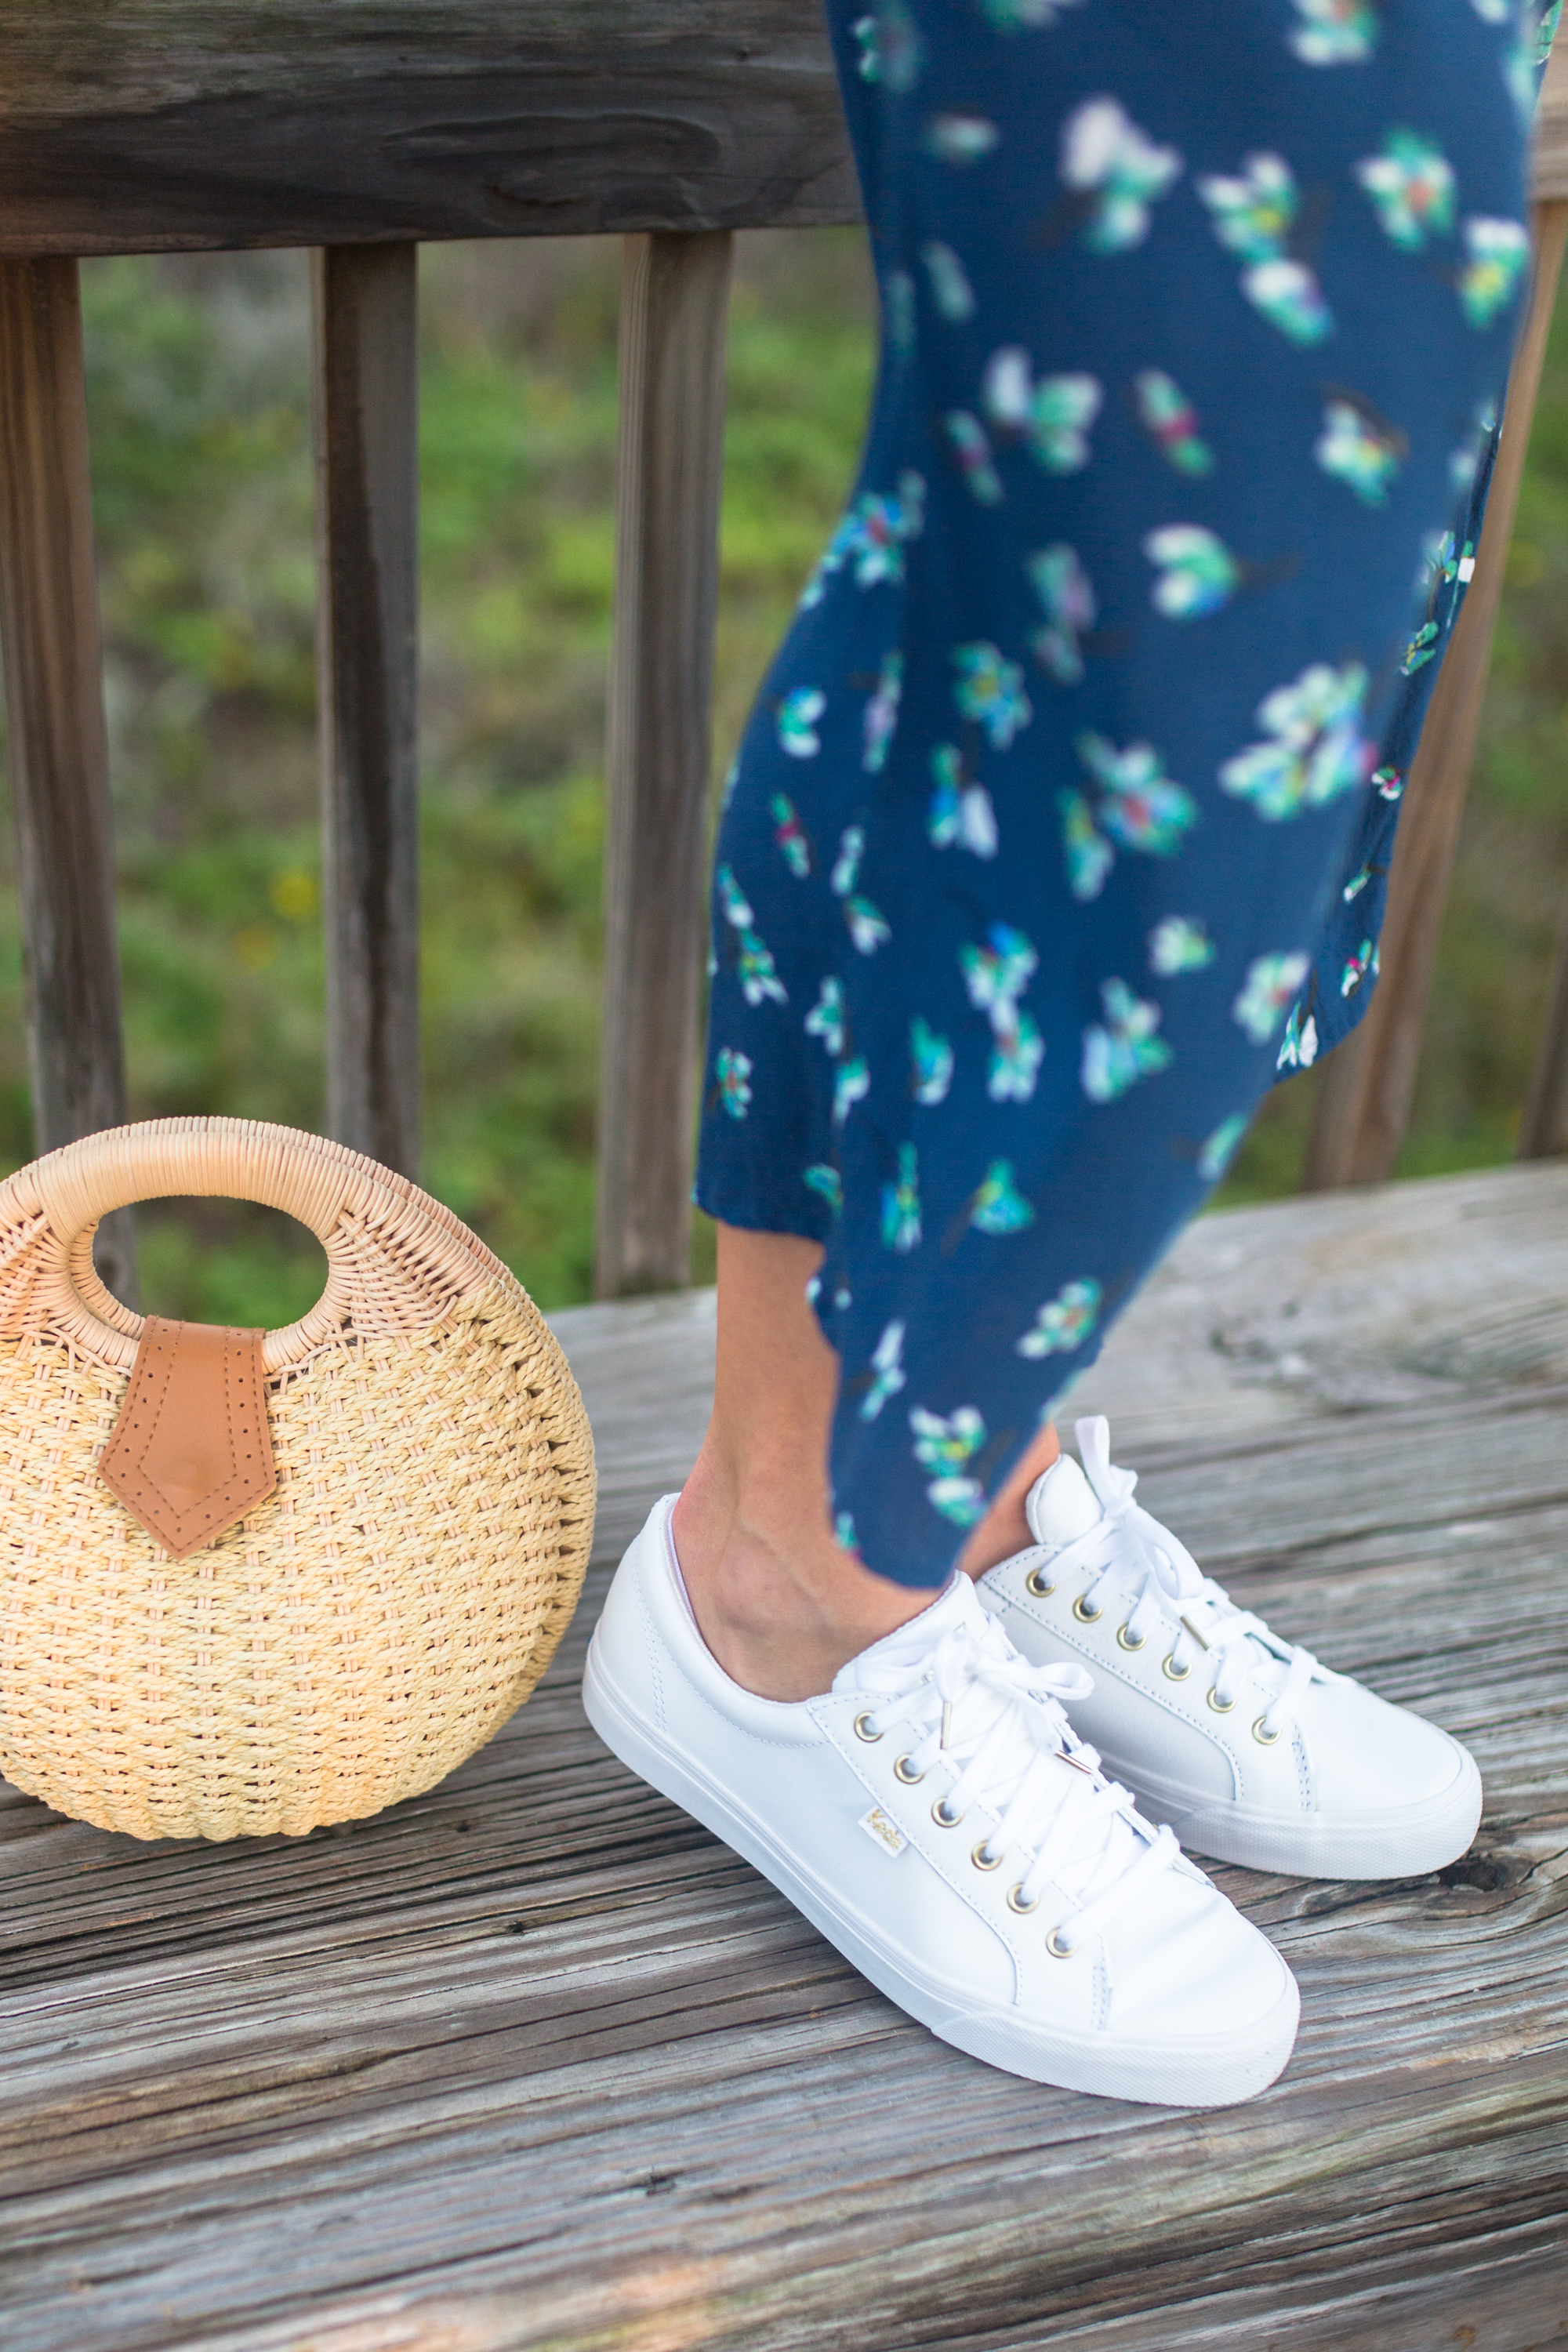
x=1059 y=828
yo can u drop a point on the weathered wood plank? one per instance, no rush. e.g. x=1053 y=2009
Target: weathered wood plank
x=366 y=412
x=58 y=750
x=189 y=123
x=1369 y=1082
x=674 y=305
x=532 y=2062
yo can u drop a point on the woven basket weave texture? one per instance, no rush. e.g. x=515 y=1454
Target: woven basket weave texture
x=383 y=1612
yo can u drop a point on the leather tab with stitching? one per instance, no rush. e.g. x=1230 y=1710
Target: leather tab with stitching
x=191 y=1451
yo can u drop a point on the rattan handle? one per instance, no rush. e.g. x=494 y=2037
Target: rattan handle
x=396 y=1260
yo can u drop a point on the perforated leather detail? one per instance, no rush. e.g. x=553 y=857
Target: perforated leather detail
x=191 y=1451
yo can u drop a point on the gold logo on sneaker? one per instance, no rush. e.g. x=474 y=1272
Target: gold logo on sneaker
x=884 y=1830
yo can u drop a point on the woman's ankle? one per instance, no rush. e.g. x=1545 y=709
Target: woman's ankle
x=780 y=1604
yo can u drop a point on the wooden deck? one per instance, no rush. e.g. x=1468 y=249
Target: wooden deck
x=532 y=2063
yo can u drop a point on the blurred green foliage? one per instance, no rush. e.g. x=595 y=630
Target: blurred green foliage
x=199 y=392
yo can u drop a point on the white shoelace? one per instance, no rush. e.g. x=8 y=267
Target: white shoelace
x=1172 y=1585
x=975 y=1706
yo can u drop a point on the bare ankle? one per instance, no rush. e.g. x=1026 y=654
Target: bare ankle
x=780 y=1604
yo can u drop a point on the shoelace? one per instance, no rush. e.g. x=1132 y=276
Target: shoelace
x=1173 y=1584
x=979 y=1707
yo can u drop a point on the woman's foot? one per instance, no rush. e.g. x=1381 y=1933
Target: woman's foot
x=937 y=1819
x=1253 y=1751
x=780 y=1603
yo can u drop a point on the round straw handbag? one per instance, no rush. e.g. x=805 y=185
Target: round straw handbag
x=250 y=1582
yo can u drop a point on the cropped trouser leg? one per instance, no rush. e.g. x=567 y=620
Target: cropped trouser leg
x=1040 y=854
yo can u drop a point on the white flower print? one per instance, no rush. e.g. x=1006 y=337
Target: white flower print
x=1222 y=1146
x=1334 y=32
x=1179 y=943
x=1066 y=592
x=798 y=714
x=826 y=1019
x=950 y=287
x=881 y=717
x=1064 y=1322
x=1054 y=414
x=1272 y=984
x=1126 y=1048
x=1106 y=156
x=946 y=1446
x=887 y=1372
x=1299 y=1046
x=732 y=1069
x=1316 y=750
x=961 y=815
x=961 y=138
x=990 y=691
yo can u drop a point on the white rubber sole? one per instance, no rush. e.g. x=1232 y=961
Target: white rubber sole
x=1406 y=1842
x=1220 y=2072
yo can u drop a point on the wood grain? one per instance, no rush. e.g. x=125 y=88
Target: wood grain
x=367 y=409
x=674 y=306
x=161 y=124
x=532 y=2062
x=56 y=745
x=1369 y=1082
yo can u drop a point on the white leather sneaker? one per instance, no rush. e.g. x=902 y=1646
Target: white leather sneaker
x=936 y=1817
x=1243 y=1743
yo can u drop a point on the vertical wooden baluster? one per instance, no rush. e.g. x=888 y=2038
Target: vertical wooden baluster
x=674 y=304
x=1363 y=1105
x=58 y=744
x=367 y=492
x=1543 y=1132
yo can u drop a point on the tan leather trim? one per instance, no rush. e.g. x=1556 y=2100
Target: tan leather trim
x=191 y=1451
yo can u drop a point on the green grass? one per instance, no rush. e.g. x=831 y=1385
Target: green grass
x=199 y=393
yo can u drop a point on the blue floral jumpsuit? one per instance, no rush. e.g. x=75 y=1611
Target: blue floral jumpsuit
x=1060 y=825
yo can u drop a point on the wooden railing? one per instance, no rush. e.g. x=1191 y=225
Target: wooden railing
x=362 y=128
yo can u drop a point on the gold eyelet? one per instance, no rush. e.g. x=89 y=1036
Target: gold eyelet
x=1038 y=1583
x=1124 y=1638
x=985 y=1861
x=1172 y=1672
x=1058 y=1950
x=1220 y=1705
x=901 y=1772
x=860 y=1730
x=1086 y=1616
x=1022 y=1909
x=1264 y=1737
x=943 y=1818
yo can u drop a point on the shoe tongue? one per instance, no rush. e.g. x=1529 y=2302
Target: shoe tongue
x=1061 y=1504
x=908 y=1644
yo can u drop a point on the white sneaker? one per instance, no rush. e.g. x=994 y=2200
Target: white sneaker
x=934 y=1816
x=1250 y=1749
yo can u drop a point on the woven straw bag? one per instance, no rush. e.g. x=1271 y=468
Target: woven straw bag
x=404 y=1580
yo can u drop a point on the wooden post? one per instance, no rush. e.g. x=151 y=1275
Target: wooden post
x=367 y=490
x=59 y=746
x=1543 y=1132
x=674 y=305
x=1363 y=1105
